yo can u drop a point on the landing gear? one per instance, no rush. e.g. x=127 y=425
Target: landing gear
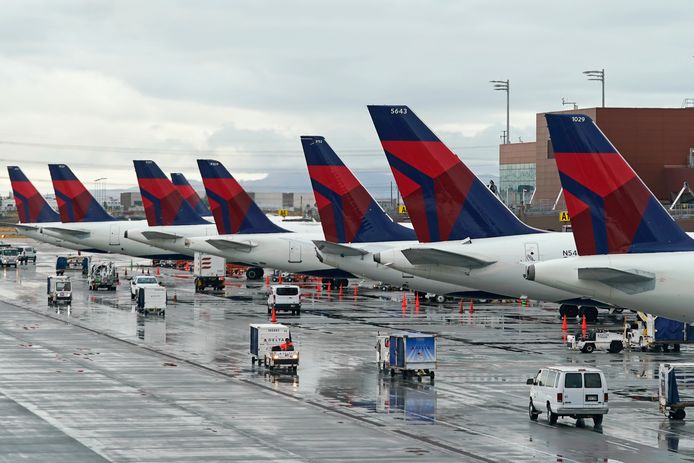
x=254 y=273
x=571 y=311
x=591 y=313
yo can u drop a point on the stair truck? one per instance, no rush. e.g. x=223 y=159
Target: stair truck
x=102 y=275
x=271 y=346
x=655 y=333
x=412 y=354
x=675 y=389
x=209 y=271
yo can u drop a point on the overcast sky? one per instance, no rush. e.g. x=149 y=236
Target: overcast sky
x=96 y=84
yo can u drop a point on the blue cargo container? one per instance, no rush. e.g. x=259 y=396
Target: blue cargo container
x=412 y=354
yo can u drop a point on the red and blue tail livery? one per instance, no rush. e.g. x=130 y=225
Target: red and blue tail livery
x=75 y=202
x=444 y=199
x=612 y=211
x=31 y=206
x=348 y=213
x=233 y=209
x=190 y=195
x=164 y=204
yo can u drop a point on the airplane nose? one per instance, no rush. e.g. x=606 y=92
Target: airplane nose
x=377 y=257
x=529 y=272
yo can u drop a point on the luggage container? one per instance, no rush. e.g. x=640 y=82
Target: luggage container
x=648 y=332
x=271 y=346
x=412 y=354
x=151 y=299
x=675 y=389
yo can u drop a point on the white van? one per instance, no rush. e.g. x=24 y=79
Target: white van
x=284 y=297
x=578 y=392
x=9 y=257
x=26 y=253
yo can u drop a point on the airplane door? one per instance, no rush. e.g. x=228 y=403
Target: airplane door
x=114 y=234
x=294 y=252
x=532 y=252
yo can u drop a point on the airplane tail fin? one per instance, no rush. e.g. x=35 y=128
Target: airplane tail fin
x=612 y=211
x=190 y=195
x=444 y=199
x=164 y=204
x=75 y=202
x=348 y=212
x=31 y=206
x=233 y=209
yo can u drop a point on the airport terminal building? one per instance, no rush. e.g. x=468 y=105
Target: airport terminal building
x=657 y=142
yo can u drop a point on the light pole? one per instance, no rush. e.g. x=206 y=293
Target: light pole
x=504 y=86
x=99 y=190
x=600 y=77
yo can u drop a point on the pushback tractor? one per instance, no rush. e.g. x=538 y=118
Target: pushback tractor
x=271 y=346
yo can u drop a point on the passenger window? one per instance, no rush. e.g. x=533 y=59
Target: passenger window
x=543 y=378
x=592 y=380
x=573 y=380
x=552 y=379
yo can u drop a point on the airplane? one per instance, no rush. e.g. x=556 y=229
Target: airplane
x=85 y=222
x=355 y=226
x=467 y=235
x=248 y=236
x=154 y=185
x=631 y=252
x=34 y=212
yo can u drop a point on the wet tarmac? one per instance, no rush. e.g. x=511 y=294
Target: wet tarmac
x=98 y=381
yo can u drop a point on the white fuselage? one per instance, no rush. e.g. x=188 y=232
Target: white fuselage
x=668 y=295
x=107 y=237
x=365 y=266
x=509 y=254
x=35 y=233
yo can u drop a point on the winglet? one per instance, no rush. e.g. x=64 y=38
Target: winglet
x=612 y=211
x=349 y=214
x=75 y=202
x=233 y=209
x=31 y=206
x=444 y=199
x=164 y=204
x=190 y=195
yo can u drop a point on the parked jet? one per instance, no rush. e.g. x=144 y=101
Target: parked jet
x=34 y=212
x=247 y=235
x=86 y=222
x=164 y=200
x=632 y=252
x=190 y=195
x=355 y=226
x=468 y=236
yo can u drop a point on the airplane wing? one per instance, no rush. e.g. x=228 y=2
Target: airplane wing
x=19 y=225
x=223 y=244
x=338 y=249
x=69 y=231
x=429 y=256
x=629 y=281
x=158 y=235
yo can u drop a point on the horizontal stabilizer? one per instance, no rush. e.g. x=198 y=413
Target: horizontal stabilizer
x=428 y=256
x=241 y=246
x=158 y=235
x=68 y=231
x=628 y=281
x=338 y=249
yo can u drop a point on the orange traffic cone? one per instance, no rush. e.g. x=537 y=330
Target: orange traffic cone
x=340 y=294
x=330 y=286
x=564 y=326
x=174 y=298
x=356 y=292
x=404 y=300
x=472 y=306
x=267 y=281
x=584 y=326
x=416 y=301
x=158 y=271
x=279 y=279
x=273 y=319
x=461 y=305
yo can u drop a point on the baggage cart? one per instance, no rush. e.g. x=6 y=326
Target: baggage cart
x=271 y=346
